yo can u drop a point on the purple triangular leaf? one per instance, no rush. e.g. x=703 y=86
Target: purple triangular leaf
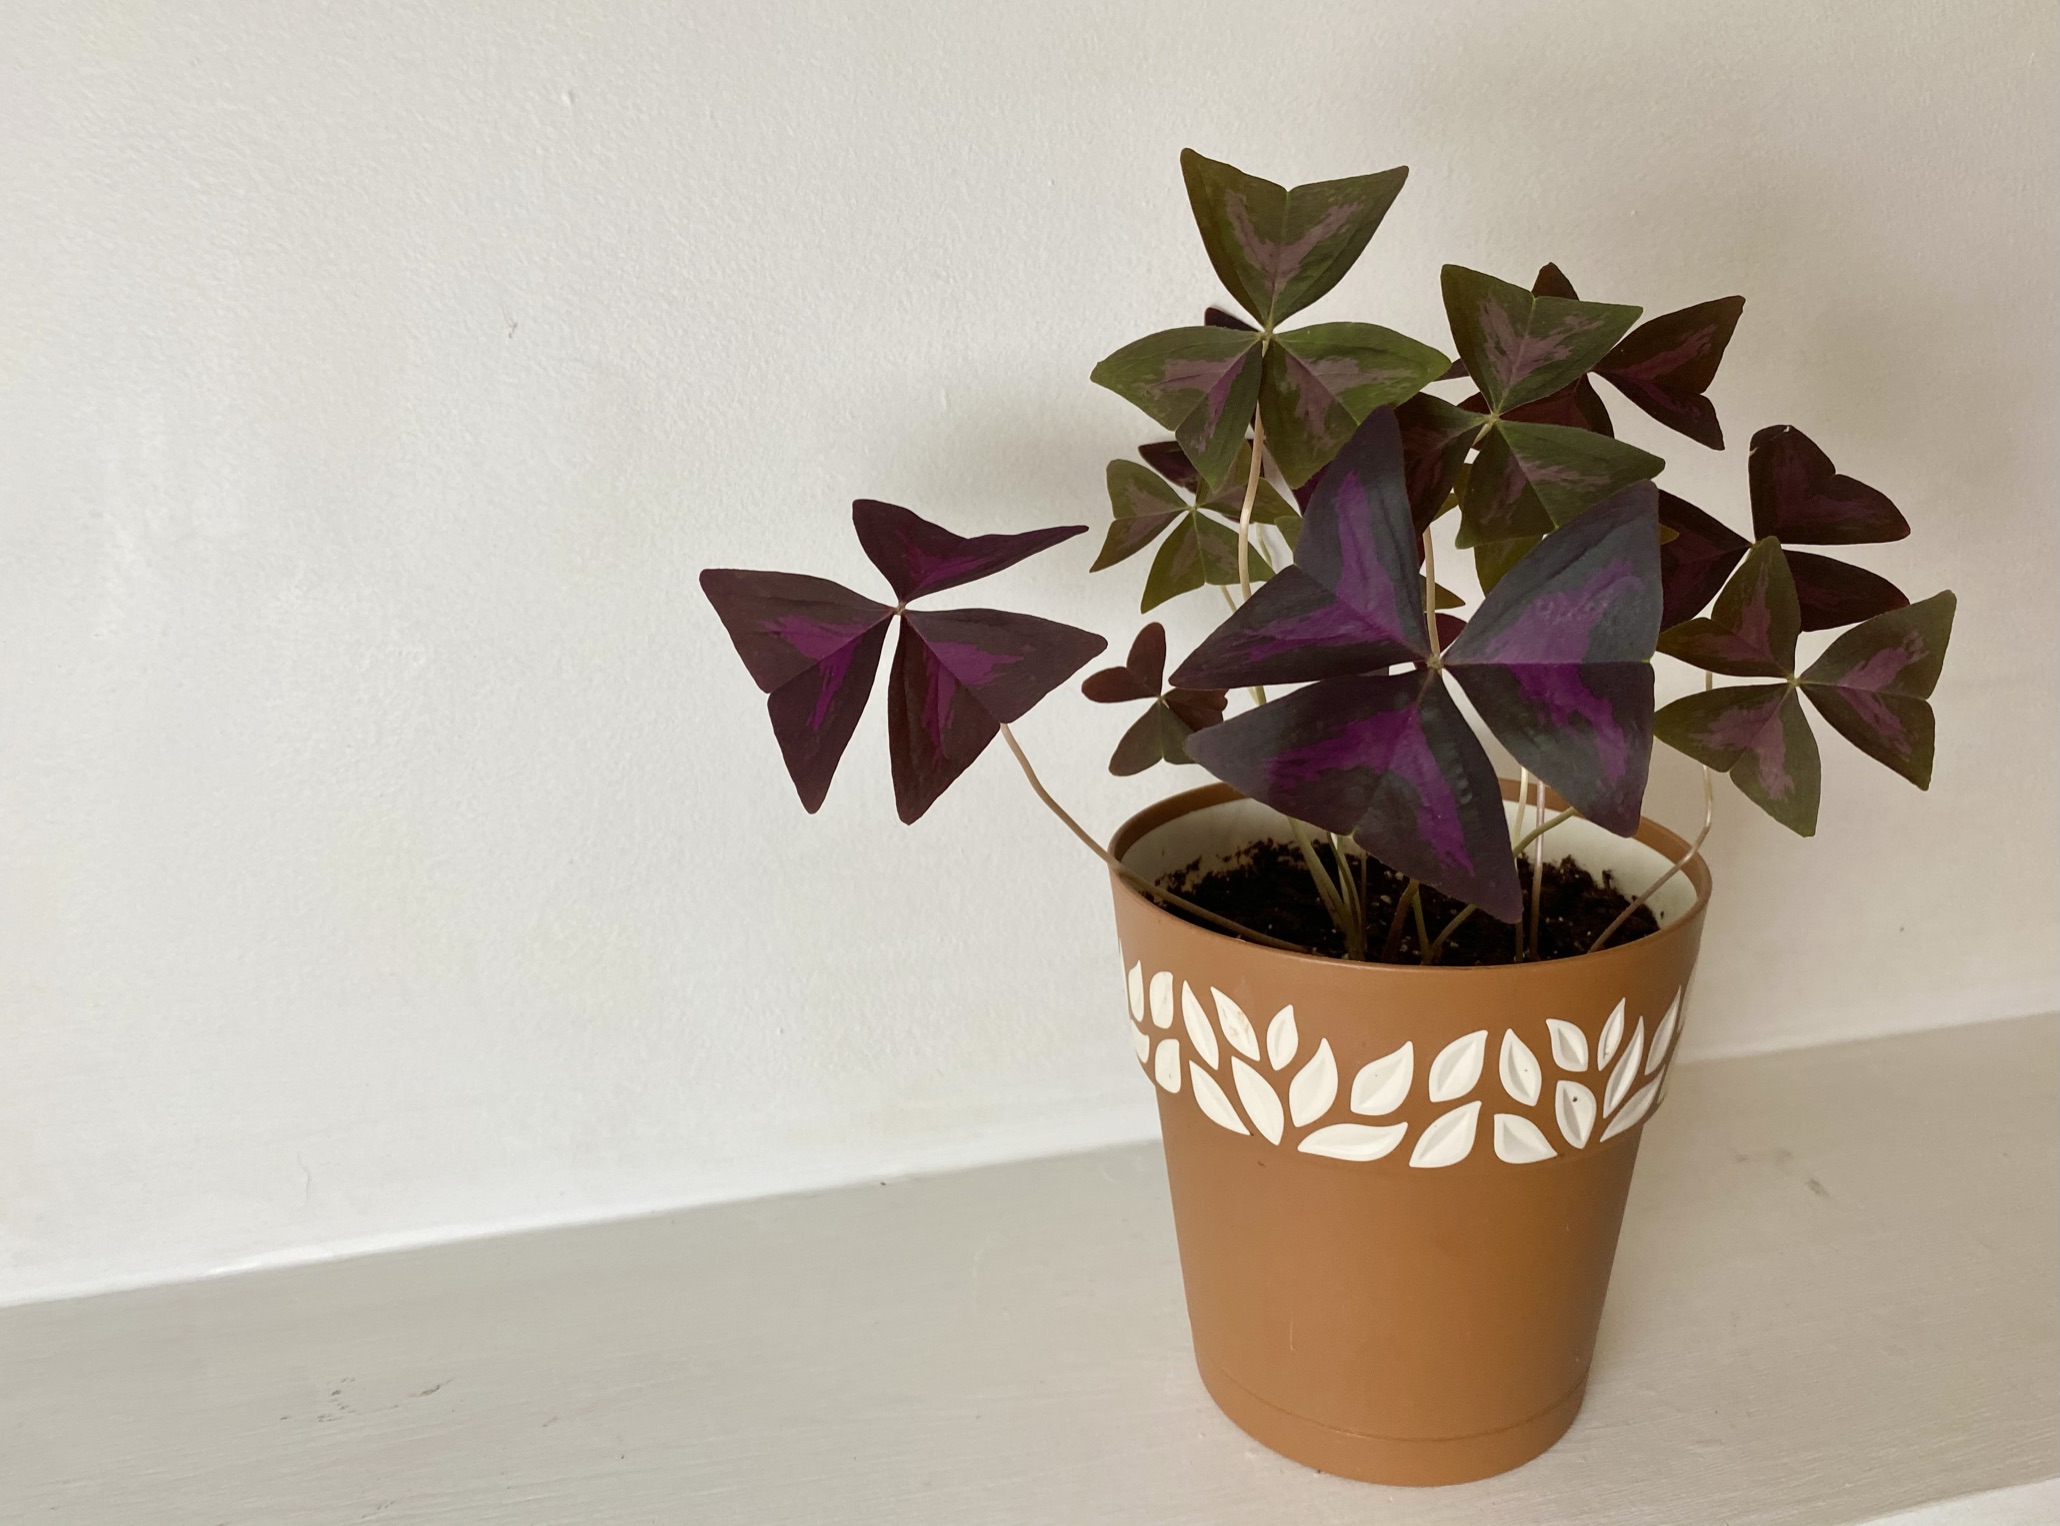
x=1575 y=406
x=1694 y=564
x=1758 y=734
x=814 y=647
x=1167 y=459
x=1831 y=593
x=1666 y=364
x=958 y=676
x=1216 y=317
x=1557 y=659
x=1389 y=759
x=1435 y=438
x=1198 y=709
x=1873 y=684
x=1798 y=496
x=1552 y=282
x=1751 y=630
x=1520 y=348
x=918 y=557
x=1140 y=675
x=1201 y=383
x=1531 y=477
x=1353 y=602
x=1320 y=381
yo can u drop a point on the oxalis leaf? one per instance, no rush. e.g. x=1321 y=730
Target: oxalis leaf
x=1758 y=734
x=1278 y=250
x=1320 y=381
x=1519 y=348
x=1874 y=683
x=958 y=676
x=1161 y=733
x=1529 y=478
x=1201 y=383
x=1752 y=629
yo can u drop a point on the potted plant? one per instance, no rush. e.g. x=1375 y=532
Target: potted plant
x=1407 y=1020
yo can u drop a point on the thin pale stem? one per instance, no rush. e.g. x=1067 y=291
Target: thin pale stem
x=1244 y=515
x=1538 y=878
x=1423 y=933
x=1154 y=891
x=1709 y=816
x=1326 y=888
x=1523 y=800
x=1535 y=833
x=1392 y=947
x=1430 y=592
x=1438 y=943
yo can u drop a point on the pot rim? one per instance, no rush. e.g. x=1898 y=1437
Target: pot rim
x=1661 y=839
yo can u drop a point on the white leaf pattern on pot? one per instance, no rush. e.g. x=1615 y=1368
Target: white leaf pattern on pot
x=1458 y=1067
x=1569 y=1044
x=1166 y=1064
x=1199 y=1033
x=1143 y=1041
x=1282 y=1038
x=1449 y=1139
x=1213 y=1103
x=1162 y=999
x=1664 y=1036
x=1519 y=1141
x=1612 y=1035
x=1236 y=1026
x=1625 y=1076
x=1354 y=1141
x=1384 y=1085
x=1136 y=984
x=1574 y=1105
x=1636 y=1108
x=1312 y=1092
x=1262 y=1103
x=1521 y=1077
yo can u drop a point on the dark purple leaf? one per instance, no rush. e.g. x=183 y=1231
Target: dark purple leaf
x=1435 y=438
x=1197 y=709
x=1353 y=602
x=1531 y=477
x=813 y=647
x=1520 y=348
x=958 y=676
x=1389 y=759
x=1217 y=318
x=1695 y=562
x=1449 y=627
x=1576 y=406
x=1201 y=383
x=1140 y=675
x=1832 y=593
x=1873 y=684
x=1666 y=364
x=1557 y=659
x=1320 y=381
x=1800 y=497
x=1751 y=630
x=1278 y=250
x=1552 y=282
x=1758 y=734
x=917 y=557
x=1167 y=459
x=1157 y=736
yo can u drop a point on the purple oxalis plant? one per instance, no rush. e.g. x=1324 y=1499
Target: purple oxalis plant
x=1308 y=469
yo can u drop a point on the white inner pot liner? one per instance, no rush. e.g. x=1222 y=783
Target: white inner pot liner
x=1216 y=834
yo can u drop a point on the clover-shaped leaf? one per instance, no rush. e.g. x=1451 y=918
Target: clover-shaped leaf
x=1799 y=497
x=958 y=675
x=1202 y=547
x=1520 y=348
x=1695 y=560
x=1161 y=733
x=1277 y=250
x=1320 y=381
x=1388 y=757
x=1201 y=383
x=1751 y=631
x=1530 y=478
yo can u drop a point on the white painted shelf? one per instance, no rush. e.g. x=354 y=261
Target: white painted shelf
x=1835 y=1302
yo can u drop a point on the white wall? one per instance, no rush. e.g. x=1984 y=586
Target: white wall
x=390 y=845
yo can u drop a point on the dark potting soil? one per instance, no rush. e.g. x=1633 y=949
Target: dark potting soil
x=1268 y=887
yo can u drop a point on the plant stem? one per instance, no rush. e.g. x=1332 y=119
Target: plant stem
x=1393 y=946
x=1523 y=792
x=1423 y=933
x=1244 y=515
x=1532 y=836
x=1538 y=878
x=1438 y=943
x=1430 y=593
x=1709 y=815
x=1143 y=884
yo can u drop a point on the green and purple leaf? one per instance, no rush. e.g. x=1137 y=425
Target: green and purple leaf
x=1758 y=734
x=1352 y=602
x=1519 y=348
x=1436 y=436
x=1389 y=759
x=1832 y=593
x=1799 y=497
x=1751 y=630
x=813 y=646
x=1694 y=563
x=1142 y=505
x=1529 y=478
x=1277 y=250
x=1666 y=364
x=1493 y=559
x=1198 y=551
x=1557 y=659
x=918 y=557
x=1201 y=383
x=1321 y=381
x=959 y=675
x=1874 y=683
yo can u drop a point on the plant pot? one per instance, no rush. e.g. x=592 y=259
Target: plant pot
x=1397 y=1189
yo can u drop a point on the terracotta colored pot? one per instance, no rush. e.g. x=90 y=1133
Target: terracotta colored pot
x=1397 y=1190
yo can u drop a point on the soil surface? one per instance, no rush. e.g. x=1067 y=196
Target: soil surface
x=1268 y=887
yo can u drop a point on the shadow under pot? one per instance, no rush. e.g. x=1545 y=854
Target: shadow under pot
x=1397 y=1189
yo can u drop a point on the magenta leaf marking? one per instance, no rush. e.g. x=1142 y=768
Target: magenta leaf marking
x=1557 y=659
x=1874 y=683
x=960 y=675
x=1752 y=629
x=1798 y=496
x=1758 y=734
x=918 y=557
x=1201 y=383
x=1519 y=348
